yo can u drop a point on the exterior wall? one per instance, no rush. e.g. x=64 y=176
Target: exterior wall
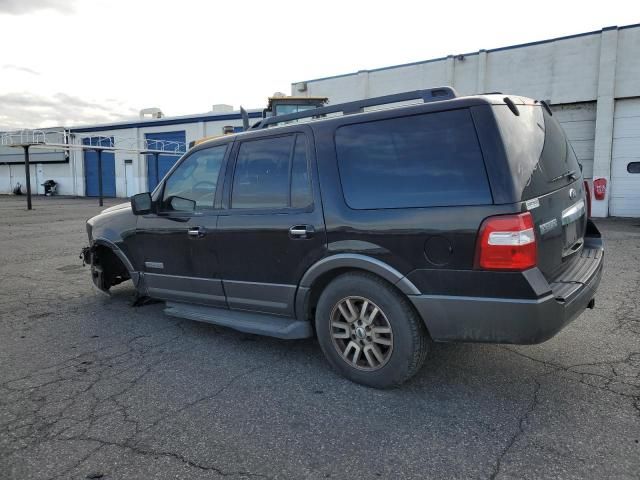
x=11 y=175
x=625 y=186
x=582 y=77
x=77 y=159
x=122 y=138
x=44 y=164
x=59 y=172
x=579 y=123
x=215 y=127
x=71 y=176
x=192 y=131
x=628 y=63
x=563 y=71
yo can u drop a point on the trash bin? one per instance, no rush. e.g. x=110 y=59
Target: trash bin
x=50 y=187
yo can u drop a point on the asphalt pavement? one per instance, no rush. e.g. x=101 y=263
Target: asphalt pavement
x=92 y=387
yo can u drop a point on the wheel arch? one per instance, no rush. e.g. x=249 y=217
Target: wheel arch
x=120 y=255
x=318 y=276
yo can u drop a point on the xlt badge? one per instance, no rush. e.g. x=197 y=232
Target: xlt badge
x=533 y=203
x=548 y=226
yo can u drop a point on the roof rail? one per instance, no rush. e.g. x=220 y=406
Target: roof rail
x=427 y=95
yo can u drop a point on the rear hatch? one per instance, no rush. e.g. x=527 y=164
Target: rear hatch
x=548 y=181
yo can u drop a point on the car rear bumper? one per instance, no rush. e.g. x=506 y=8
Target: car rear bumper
x=509 y=320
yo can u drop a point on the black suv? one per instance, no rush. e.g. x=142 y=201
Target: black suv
x=376 y=229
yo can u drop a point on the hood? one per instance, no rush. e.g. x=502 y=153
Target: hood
x=115 y=208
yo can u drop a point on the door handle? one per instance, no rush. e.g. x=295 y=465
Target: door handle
x=196 y=232
x=301 y=231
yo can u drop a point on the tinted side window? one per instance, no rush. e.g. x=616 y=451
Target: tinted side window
x=419 y=161
x=194 y=179
x=261 y=178
x=557 y=156
x=300 y=182
x=538 y=151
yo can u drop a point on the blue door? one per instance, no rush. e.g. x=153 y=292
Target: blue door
x=165 y=162
x=91 y=168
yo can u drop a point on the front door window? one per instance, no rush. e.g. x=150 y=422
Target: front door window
x=192 y=185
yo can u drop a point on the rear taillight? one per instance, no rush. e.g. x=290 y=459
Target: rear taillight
x=588 y=195
x=506 y=242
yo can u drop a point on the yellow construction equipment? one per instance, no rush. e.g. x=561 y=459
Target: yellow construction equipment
x=278 y=104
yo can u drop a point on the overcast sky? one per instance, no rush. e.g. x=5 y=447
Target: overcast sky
x=66 y=62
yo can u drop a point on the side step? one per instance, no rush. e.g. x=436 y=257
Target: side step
x=248 y=322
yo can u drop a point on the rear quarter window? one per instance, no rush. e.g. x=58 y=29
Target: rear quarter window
x=423 y=160
x=538 y=152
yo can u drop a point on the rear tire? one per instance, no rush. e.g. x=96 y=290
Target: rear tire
x=369 y=332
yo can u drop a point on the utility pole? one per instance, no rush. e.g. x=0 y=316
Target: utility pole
x=99 y=152
x=27 y=171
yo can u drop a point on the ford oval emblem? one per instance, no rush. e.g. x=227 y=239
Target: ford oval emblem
x=572 y=193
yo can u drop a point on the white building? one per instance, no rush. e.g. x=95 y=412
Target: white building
x=591 y=80
x=123 y=173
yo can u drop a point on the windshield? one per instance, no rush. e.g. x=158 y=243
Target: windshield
x=287 y=108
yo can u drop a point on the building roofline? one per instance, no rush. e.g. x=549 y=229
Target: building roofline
x=160 y=122
x=498 y=49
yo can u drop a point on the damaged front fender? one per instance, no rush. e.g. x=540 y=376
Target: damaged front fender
x=90 y=257
x=107 y=266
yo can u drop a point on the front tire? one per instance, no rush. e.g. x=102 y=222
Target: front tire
x=369 y=332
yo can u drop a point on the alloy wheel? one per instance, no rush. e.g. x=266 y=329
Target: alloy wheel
x=361 y=333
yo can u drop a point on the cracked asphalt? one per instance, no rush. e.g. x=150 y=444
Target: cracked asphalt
x=95 y=388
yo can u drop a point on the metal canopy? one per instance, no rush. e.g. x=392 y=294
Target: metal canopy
x=66 y=140
x=52 y=140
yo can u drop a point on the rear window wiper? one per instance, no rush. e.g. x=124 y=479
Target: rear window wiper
x=568 y=173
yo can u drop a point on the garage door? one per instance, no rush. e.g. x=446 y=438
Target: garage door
x=579 y=122
x=160 y=140
x=92 y=188
x=625 y=160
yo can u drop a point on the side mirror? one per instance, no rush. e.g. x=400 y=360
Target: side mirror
x=180 y=204
x=141 y=203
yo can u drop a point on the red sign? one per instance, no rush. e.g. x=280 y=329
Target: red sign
x=599 y=188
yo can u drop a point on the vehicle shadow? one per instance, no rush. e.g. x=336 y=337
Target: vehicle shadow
x=447 y=364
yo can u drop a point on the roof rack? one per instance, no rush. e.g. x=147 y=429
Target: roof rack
x=427 y=95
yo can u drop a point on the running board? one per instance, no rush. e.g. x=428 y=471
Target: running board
x=248 y=322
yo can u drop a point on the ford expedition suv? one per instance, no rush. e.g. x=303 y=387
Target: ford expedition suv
x=378 y=226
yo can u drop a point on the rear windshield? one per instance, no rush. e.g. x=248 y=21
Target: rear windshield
x=539 y=154
x=417 y=161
